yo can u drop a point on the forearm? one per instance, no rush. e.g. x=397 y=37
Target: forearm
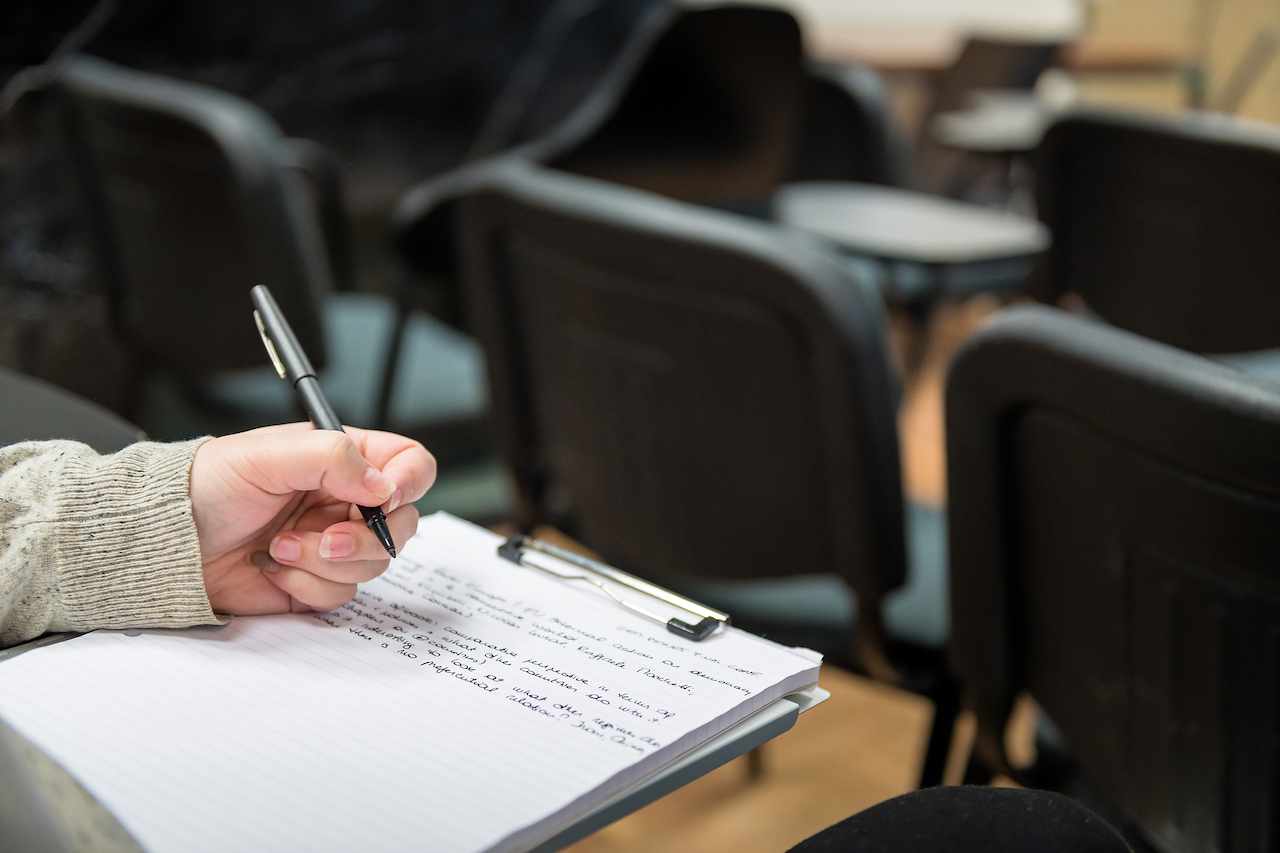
x=89 y=541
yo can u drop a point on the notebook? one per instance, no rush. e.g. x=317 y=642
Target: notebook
x=461 y=702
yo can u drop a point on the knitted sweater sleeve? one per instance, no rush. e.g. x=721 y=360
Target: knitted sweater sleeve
x=90 y=541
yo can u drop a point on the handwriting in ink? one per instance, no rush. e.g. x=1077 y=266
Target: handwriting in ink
x=546 y=667
x=701 y=674
x=471 y=638
x=549 y=678
x=600 y=656
x=657 y=676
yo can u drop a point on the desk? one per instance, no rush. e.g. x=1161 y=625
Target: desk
x=999 y=122
x=893 y=225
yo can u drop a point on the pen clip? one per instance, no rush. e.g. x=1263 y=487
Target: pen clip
x=266 y=341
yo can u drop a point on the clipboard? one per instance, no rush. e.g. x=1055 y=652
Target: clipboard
x=518 y=547
x=761 y=727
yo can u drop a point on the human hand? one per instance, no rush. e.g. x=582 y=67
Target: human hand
x=275 y=512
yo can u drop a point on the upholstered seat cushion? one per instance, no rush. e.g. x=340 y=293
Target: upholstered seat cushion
x=440 y=376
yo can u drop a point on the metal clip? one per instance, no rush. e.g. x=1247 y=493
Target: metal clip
x=513 y=549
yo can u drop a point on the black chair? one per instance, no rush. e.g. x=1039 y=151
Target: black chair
x=846 y=132
x=190 y=197
x=718 y=107
x=984 y=64
x=34 y=410
x=712 y=114
x=726 y=112
x=703 y=398
x=1165 y=226
x=1114 y=524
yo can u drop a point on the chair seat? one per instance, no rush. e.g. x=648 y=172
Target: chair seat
x=440 y=378
x=823 y=604
x=34 y=410
x=897 y=224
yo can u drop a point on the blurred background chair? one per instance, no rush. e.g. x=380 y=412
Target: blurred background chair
x=711 y=114
x=984 y=66
x=708 y=402
x=1166 y=226
x=718 y=107
x=190 y=197
x=34 y=410
x=1114 y=523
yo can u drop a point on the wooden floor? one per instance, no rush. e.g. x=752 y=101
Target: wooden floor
x=865 y=743
x=861 y=746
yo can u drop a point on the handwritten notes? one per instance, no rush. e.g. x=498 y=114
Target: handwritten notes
x=459 y=703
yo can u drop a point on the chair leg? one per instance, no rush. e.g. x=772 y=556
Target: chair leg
x=946 y=702
x=404 y=305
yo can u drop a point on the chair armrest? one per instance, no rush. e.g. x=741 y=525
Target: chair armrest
x=422 y=226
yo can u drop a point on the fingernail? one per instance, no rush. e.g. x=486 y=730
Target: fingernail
x=378 y=483
x=337 y=545
x=263 y=561
x=286 y=549
x=395 y=500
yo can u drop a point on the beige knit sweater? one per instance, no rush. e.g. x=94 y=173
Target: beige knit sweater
x=89 y=541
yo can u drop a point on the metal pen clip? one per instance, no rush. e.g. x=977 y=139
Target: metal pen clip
x=711 y=619
x=271 y=348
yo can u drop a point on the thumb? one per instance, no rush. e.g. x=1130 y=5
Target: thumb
x=281 y=463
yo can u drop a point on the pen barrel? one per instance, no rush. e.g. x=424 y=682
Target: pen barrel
x=279 y=337
x=318 y=410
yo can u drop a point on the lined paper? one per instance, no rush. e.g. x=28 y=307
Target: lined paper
x=459 y=703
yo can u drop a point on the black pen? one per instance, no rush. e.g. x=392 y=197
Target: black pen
x=293 y=365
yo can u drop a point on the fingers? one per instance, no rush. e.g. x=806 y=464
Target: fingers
x=343 y=553
x=310 y=591
x=406 y=462
x=280 y=462
x=321 y=570
x=360 y=466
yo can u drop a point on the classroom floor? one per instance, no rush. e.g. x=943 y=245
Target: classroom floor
x=866 y=742
x=861 y=746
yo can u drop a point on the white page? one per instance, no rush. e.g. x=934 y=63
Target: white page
x=460 y=703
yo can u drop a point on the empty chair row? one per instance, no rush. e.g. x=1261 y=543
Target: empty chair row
x=710 y=402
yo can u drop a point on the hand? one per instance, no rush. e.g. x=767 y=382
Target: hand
x=275 y=512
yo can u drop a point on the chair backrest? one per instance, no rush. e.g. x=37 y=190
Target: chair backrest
x=1165 y=226
x=579 y=56
x=846 y=132
x=33 y=410
x=541 y=130
x=986 y=63
x=189 y=202
x=712 y=105
x=1114 y=517
x=711 y=115
x=695 y=394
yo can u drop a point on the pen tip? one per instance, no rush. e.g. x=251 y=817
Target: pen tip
x=393 y=553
